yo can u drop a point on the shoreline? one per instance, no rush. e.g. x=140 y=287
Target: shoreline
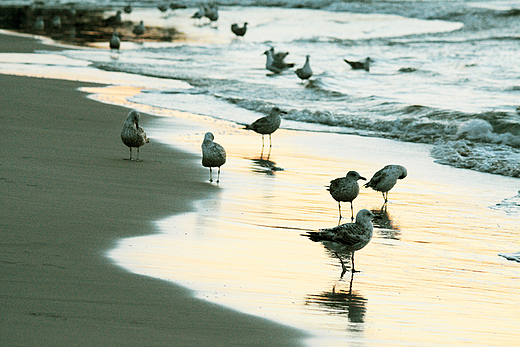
x=68 y=197
x=440 y=217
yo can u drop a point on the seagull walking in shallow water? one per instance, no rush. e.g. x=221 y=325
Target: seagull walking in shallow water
x=267 y=125
x=279 y=59
x=360 y=65
x=239 y=31
x=386 y=178
x=213 y=155
x=132 y=134
x=345 y=189
x=275 y=65
x=305 y=72
x=348 y=237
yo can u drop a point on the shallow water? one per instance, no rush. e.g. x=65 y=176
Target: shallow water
x=432 y=274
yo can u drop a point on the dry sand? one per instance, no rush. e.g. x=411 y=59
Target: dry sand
x=67 y=197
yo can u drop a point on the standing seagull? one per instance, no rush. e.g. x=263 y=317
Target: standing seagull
x=386 y=178
x=197 y=16
x=345 y=189
x=239 y=31
x=360 y=65
x=139 y=29
x=115 y=42
x=39 y=24
x=213 y=155
x=267 y=125
x=305 y=72
x=132 y=134
x=348 y=237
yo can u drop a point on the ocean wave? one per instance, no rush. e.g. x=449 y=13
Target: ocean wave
x=495 y=159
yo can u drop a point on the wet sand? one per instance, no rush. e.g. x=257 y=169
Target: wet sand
x=68 y=196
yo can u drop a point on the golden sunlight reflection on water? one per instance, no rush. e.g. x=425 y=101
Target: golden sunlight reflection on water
x=431 y=276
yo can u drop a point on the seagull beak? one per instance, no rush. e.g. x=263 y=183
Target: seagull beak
x=362 y=178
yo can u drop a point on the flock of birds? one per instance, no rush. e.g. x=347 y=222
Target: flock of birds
x=344 y=238
x=275 y=61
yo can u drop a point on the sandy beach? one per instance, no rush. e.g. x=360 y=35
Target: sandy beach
x=88 y=234
x=68 y=195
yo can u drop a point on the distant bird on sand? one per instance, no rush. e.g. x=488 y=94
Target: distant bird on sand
x=132 y=134
x=56 y=22
x=239 y=31
x=386 y=178
x=348 y=237
x=128 y=8
x=114 y=20
x=345 y=189
x=213 y=155
x=115 y=41
x=39 y=24
x=305 y=72
x=139 y=29
x=267 y=125
x=360 y=65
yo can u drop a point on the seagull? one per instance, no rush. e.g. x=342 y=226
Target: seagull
x=198 y=15
x=274 y=66
x=305 y=72
x=39 y=25
x=213 y=155
x=278 y=59
x=239 y=31
x=56 y=22
x=128 y=8
x=386 y=178
x=348 y=237
x=114 y=20
x=163 y=7
x=211 y=12
x=345 y=189
x=360 y=65
x=132 y=134
x=267 y=125
x=115 y=42
x=139 y=29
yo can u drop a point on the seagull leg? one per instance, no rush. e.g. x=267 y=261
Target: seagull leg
x=343 y=267
x=218 y=177
x=339 y=208
x=137 y=154
x=353 y=268
x=262 y=153
x=210 y=175
x=130 y=153
x=352 y=211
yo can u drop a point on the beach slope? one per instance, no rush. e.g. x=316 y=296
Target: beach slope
x=67 y=197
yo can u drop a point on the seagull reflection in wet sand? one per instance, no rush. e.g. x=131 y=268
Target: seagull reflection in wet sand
x=265 y=166
x=342 y=302
x=346 y=238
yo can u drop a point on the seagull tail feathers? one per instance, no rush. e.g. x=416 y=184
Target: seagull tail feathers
x=313 y=235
